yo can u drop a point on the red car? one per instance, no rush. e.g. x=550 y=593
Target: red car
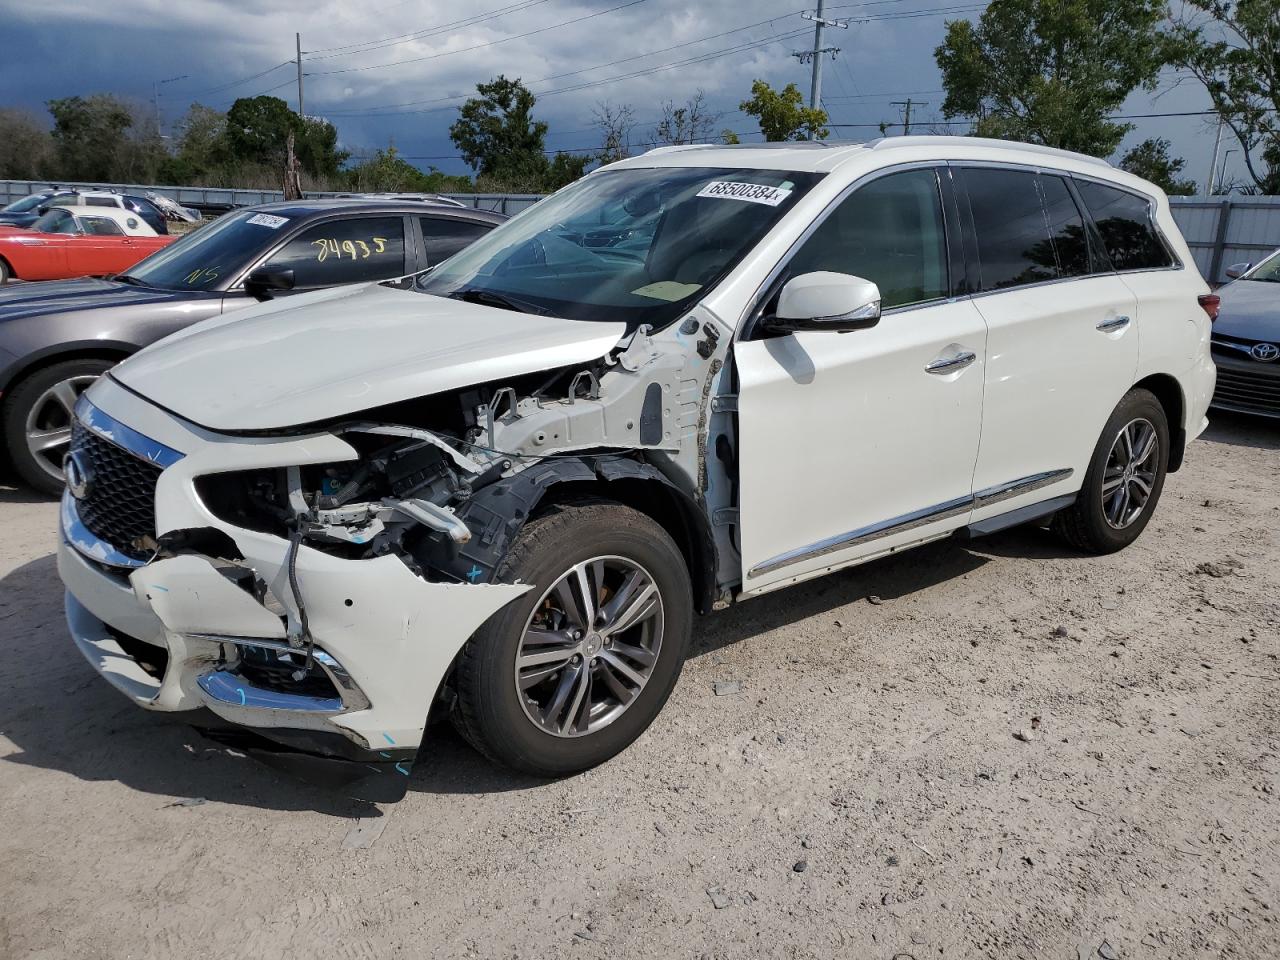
x=79 y=242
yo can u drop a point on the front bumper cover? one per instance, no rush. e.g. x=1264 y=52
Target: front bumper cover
x=384 y=638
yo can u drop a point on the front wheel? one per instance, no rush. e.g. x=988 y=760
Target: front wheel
x=1124 y=479
x=37 y=419
x=574 y=671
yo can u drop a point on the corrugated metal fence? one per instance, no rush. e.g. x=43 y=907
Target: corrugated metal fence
x=1220 y=230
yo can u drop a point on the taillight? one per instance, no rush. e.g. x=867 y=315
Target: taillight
x=1210 y=302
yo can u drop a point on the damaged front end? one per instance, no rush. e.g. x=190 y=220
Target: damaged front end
x=308 y=590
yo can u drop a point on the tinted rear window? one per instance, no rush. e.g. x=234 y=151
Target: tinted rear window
x=444 y=237
x=1124 y=220
x=1014 y=244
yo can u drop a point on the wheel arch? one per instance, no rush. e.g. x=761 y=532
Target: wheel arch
x=498 y=512
x=13 y=274
x=112 y=350
x=1169 y=392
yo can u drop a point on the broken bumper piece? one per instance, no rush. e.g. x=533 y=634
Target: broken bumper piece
x=209 y=636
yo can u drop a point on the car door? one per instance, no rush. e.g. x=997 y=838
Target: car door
x=854 y=444
x=104 y=247
x=1062 y=345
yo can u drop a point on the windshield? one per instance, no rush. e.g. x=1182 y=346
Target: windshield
x=220 y=250
x=57 y=220
x=1268 y=269
x=26 y=204
x=639 y=245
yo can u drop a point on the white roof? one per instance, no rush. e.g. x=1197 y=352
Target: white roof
x=130 y=222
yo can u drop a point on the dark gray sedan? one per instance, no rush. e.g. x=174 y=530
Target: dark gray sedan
x=57 y=337
x=1246 y=340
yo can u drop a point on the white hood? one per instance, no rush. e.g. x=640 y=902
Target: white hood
x=336 y=352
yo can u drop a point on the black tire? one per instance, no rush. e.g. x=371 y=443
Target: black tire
x=18 y=406
x=6 y=272
x=1085 y=525
x=488 y=709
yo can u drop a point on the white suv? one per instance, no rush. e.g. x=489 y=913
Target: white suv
x=690 y=378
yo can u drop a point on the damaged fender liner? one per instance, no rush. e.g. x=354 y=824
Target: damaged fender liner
x=497 y=513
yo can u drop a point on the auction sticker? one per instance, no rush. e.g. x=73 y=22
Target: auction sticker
x=268 y=220
x=751 y=192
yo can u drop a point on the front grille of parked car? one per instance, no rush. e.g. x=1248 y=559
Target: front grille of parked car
x=1249 y=390
x=119 y=504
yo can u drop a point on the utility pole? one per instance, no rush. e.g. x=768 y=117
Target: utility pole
x=298 y=39
x=155 y=100
x=906 y=105
x=815 y=86
x=1213 y=164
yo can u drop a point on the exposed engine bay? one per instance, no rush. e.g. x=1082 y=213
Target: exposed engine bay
x=445 y=482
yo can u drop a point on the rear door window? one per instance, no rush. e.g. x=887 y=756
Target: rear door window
x=1066 y=227
x=443 y=237
x=1015 y=246
x=1124 y=220
x=355 y=250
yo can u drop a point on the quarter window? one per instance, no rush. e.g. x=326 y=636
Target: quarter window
x=890 y=232
x=100 y=202
x=345 y=251
x=1124 y=220
x=100 y=227
x=444 y=237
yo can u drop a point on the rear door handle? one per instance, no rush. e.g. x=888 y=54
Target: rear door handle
x=1115 y=323
x=951 y=364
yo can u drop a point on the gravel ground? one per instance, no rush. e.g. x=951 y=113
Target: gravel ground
x=982 y=749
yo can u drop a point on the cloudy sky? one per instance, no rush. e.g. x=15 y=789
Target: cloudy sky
x=396 y=69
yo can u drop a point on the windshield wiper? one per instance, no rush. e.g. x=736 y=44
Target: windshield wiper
x=134 y=281
x=490 y=299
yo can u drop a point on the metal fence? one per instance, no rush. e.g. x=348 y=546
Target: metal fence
x=218 y=199
x=1220 y=230
x=1226 y=230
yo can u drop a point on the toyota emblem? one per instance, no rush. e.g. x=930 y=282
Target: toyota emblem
x=1264 y=351
x=78 y=474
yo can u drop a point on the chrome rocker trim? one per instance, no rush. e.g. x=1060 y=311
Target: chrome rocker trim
x=910 y=521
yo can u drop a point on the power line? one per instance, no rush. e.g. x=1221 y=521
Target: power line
x=371 y=45
x=480 y=46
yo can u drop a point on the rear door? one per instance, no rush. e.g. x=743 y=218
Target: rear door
x=1062 y=344
x=854 y=444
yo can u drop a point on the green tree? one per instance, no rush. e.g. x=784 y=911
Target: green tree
x=1051 y=71
x=783 y=115
x=89 y=135
x=1233 y=48
x=497 y=134
x=387 y=171
x=565 y=168
x=257 y=129
x=1150 y=160
x=201 y=147
x=25 y=147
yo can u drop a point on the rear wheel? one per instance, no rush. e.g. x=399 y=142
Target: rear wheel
x=574 y=671
x=1124 y=480
x=6 y=272
x=37 y=419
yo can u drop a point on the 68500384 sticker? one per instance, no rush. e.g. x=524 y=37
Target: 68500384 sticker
x=750 y=192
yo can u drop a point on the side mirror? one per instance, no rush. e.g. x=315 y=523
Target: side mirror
x=261 y=283
x=826 y=301
x=1237 y=270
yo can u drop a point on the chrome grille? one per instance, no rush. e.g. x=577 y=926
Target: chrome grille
x=119 y=505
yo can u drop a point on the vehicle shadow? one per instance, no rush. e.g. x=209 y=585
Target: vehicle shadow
x=61 y=716
x=1242 y=430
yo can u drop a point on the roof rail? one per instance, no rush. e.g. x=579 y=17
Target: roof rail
x=889 y=143
x=679 y=147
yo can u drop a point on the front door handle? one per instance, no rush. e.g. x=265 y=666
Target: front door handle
x=1115 y=323
x=951 y=364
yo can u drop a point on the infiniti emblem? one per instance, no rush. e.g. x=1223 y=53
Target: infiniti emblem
x=78 y=474
x=1264 y=351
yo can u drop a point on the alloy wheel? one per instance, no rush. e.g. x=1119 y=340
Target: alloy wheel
x=48 y=425
x=590 y=646
x=1130 y=474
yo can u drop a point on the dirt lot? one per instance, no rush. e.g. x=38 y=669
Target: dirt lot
x=865 y=794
